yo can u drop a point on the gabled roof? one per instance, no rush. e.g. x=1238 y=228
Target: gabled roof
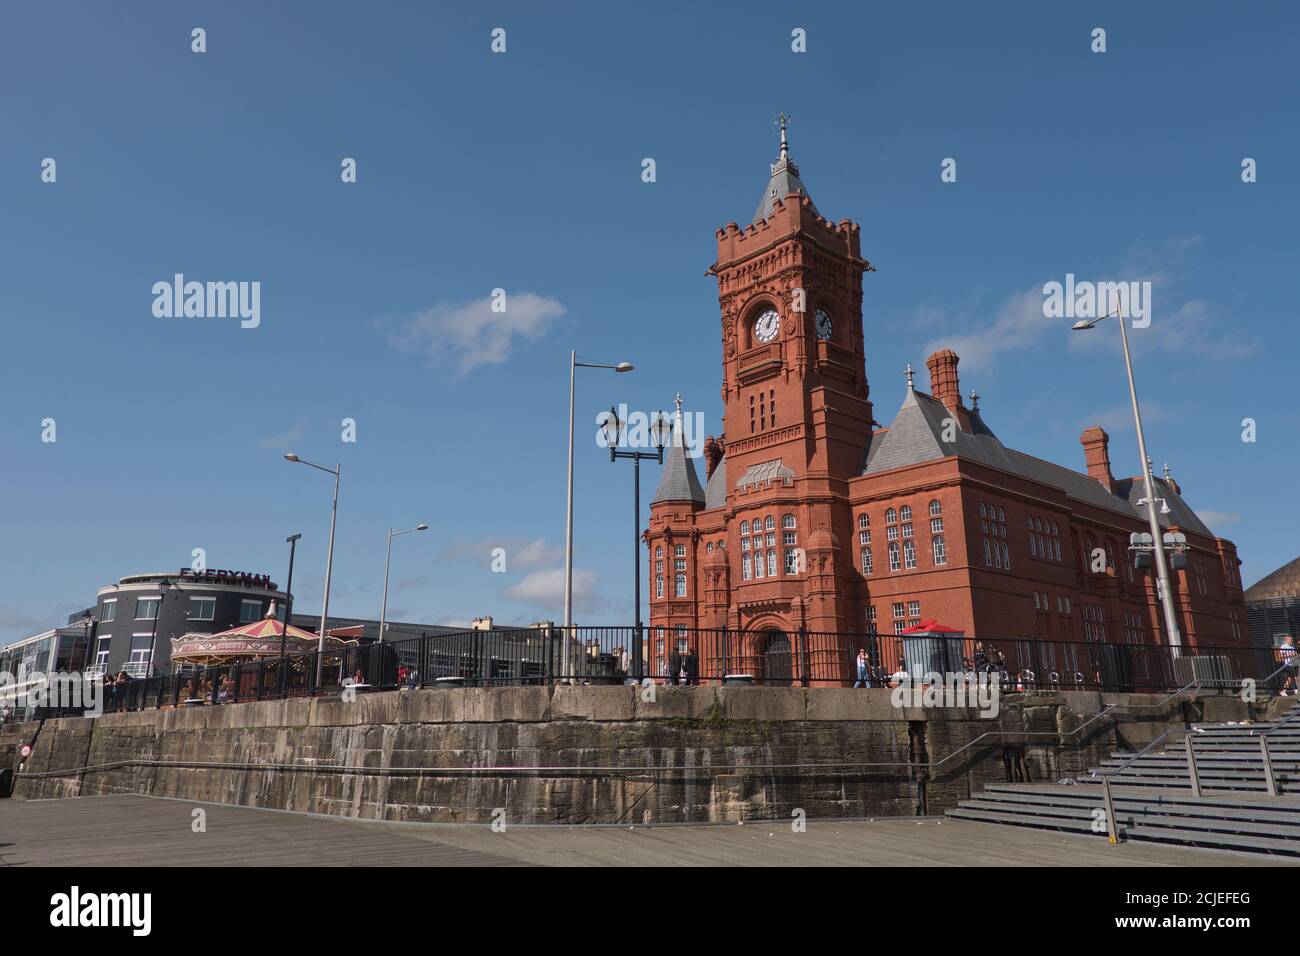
x=917 y=435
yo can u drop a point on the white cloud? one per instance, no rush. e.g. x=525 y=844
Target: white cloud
x=1019 y=324
x=472 y=334
x=283 y=441
x=520 y=553
x=546 y=588
x=1119 y=418
x=1217 y=518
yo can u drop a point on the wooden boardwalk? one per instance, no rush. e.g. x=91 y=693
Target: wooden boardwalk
x=143 y=831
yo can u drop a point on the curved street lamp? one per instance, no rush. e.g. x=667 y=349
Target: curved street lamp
x=383 y=609
x=336 y=471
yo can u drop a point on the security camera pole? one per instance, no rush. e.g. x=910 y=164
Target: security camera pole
x=1163 y=588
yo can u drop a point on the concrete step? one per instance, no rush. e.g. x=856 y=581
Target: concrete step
x=1258 y=826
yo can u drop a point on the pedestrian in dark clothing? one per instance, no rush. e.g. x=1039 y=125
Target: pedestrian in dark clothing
x=674 y=666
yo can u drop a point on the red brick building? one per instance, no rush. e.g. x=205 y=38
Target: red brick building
x=813 y=516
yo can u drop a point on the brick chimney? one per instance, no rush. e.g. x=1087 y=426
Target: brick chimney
x=713 y=451
x=943 y=377
x=1096 y=452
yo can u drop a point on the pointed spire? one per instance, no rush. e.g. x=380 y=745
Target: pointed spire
x=679 y=481
x=784 y=179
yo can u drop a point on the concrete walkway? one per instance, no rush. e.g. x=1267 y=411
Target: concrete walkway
x=143 y=831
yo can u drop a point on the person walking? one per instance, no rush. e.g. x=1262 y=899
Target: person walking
x=863 y=670
x=674 y=665
x=1286 y=655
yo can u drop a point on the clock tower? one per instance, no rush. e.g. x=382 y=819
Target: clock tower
x=794 y=383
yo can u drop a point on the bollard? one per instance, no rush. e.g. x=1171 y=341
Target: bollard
x=1112 y=825
x=1269 y=783
x=1191 y=766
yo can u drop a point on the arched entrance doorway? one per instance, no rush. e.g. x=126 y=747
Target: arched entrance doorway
x=777 y=658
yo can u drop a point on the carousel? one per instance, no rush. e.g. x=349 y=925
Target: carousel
x=238 y=653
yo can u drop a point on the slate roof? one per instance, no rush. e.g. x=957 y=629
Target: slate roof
x=916 y=436
x=679 y=482
x=715 y=492
x=785 y=180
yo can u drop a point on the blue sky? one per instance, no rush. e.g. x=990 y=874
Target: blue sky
x=522 y=171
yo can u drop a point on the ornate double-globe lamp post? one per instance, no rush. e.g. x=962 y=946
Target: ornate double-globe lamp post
x=660 y=430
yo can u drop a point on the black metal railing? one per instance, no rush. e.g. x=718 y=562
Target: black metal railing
x=605 y=655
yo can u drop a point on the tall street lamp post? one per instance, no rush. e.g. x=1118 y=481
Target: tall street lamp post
x=1163 y=587
x=163 y=587
x=292 y=541
x=658 y=436
x=336 y=471
x=383 y=608
x=568 y=520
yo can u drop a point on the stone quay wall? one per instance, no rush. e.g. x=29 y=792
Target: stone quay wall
x=589 y=755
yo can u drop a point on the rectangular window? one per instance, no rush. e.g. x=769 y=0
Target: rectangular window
x=679 y=564
x=146 y=609
x=866 y=560
x=746 y=568
x=140 y=663
x=659 y=585
x=909 y=553
x=936 y=526
x=108 y=613
x=899 y=610
x=940 y=551
x=249 y=611
x=681 y=585
x=894 y=564
x=203 y=608
x=913 y=608
x=771 y=564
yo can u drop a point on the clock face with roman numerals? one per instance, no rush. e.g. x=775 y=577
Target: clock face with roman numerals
x=766 y=326
x=824 y=326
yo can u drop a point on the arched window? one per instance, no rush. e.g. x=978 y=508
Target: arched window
x=864 y=520
x=708 y=548
x=769 y=524
x=905 y=513
x=759 y=567
x=909 y=553
x=866 y=560
x=680 y=551
x=771 y=562
x=1002 y=515
x=983 y=511
x=891 y=516
x=791 y=561
x=681 y=585
x=659 y=553
x=935 y=508
x=940 y=550
x=1038 y=524
x=746 y=568
x=787 y=521
x=744 y=527
x=659 y=585
x=894 y=563
x=1006 y=556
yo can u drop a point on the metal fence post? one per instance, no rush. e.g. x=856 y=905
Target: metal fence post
x=1191 y=766
x=1112 y=825
x=1269 y=782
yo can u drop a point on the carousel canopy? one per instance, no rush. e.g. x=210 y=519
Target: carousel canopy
x=248 y=641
